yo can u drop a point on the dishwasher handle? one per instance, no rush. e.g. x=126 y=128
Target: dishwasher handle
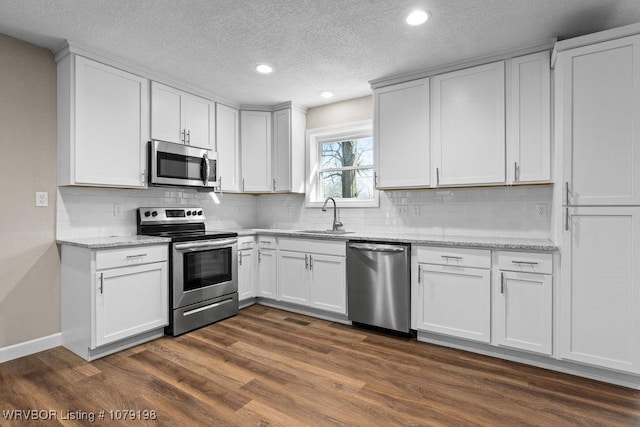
x=376 y=247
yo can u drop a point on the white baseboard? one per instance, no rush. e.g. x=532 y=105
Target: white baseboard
x=30 y=347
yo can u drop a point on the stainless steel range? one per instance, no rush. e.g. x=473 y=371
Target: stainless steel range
x=202 y=267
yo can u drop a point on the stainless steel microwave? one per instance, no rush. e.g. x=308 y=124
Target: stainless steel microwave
x=182 y=165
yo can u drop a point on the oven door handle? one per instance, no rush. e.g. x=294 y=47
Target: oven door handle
x=197 y=246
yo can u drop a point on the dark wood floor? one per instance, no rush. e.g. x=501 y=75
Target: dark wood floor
x=271 y=367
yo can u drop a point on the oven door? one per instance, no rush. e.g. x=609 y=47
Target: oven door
x=177 y=164
x=203 y=270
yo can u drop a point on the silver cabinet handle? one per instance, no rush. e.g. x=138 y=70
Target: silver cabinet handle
x=242 y=184
x=376 y=179
x=239 y=258
x=274 y=184
x=419 y=273
x=525 y=262
x=102 y=283
x=136 y=256
x=566 y=191
x=259 y=255
x=502 y=283
x=457 y=258
x=182 y=138
x=566 y=218
x=189 y=137
x=306 y=262
x=310 y=263
x=516 y=172
x=437 y=176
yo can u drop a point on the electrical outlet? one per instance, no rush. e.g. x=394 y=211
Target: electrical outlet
x=403 y=210
x=541 y=211
x=42 y=198
x=117 y=209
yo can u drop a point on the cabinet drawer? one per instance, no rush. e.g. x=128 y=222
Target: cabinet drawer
x=246 y=242
x=316 y=246
x=478 y=258
x=112 y=258
x=526 y=262
x=266 y=242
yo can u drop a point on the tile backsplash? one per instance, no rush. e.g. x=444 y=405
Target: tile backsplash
x=89 y=212
x=486 y=211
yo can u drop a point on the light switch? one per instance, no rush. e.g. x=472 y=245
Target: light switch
x=42 y=198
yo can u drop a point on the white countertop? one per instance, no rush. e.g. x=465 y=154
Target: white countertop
x=544 y=245
x=113 y=241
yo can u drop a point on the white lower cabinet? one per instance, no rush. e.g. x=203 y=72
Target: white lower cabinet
x=313 y=273
x=130 y=300
x=523 y=302
x=452 y=292
x=600 y=288
x=267 y=279
x=246 y=268
x=113 y=298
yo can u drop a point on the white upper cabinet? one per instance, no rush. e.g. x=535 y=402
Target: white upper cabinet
x=600 y=122
x=468 y=126
x=180 y=117
x=529 y=119
x=256 y=150
x=228 y=147
x=401 y=133
x=289 y=127
x=103 y=124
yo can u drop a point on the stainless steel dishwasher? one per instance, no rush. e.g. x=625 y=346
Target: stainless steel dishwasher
x=378 y=287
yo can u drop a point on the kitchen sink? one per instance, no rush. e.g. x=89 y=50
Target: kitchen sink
x=325 y=231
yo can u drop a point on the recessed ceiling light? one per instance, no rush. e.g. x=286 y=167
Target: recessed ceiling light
x=326 y=94
x=264 y=68
x=417 y=17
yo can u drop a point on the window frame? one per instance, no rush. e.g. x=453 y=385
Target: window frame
x=314 y=138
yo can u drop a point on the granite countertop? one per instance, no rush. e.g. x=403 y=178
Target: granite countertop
x=524 y=244
x=113 y=241
x=528 y=244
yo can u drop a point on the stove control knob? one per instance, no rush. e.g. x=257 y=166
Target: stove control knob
x=154 y=213
x=188 y=213
x=147 y=214
x=199 y=212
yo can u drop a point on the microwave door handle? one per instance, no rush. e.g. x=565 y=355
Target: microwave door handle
x=205 y=160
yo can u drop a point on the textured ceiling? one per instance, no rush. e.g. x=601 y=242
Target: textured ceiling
x=313 y=45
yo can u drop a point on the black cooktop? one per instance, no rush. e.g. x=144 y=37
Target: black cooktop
x=188 y=236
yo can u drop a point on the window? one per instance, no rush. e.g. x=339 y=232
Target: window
x=340 y=165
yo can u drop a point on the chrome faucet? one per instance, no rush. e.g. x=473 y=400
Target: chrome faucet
x=336 y=224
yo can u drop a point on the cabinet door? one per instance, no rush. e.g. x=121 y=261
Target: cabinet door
x=328 y=289
x=228 y=147
x=196 y=121
x=600 y=288
x=246 y=274
x=468 y=126
x=130 y=301
x=402 y=135
x=111 y=125
x=166 y=113
x=293 y=281
x=454 y=301
x=601 y=122
x=267 y=274
x=523 y=309
x=529 y=119
x=255 y=142
x=282 y=150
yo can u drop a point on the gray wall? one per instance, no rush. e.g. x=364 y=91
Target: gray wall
x=29 y=259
